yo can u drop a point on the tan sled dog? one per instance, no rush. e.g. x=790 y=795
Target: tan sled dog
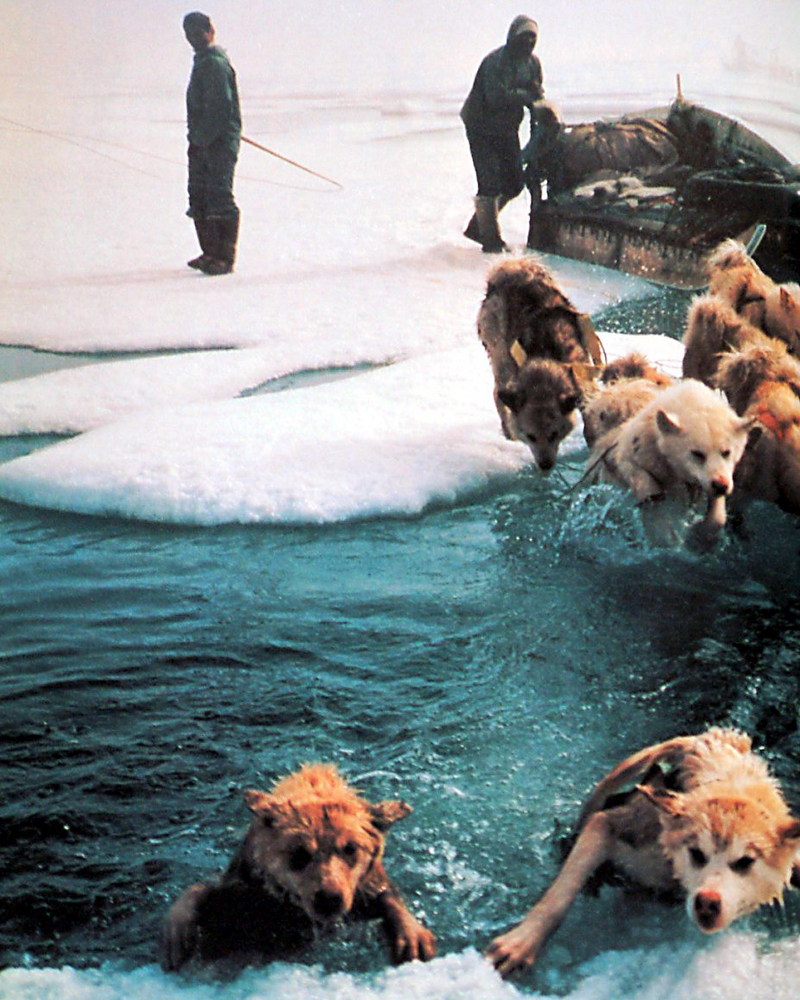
x=697 y=816
x=763 y=384
x=313 y=856
x=685 y=444
x=737 y=280
x=542 y=352
x=713 y=328
x=628 y=384
x=742 y=306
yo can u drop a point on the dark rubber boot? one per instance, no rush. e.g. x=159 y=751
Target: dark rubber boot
x=489 y=225
x=206 y=236
x=473 y=231
x=227 y=237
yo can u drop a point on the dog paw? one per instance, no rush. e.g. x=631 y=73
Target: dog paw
x=413 y=942
x=514 y=951
x=179 y=933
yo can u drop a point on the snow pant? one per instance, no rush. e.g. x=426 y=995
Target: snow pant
x=211 y=171
x=497 y=163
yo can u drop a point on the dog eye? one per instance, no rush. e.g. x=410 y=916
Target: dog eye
x=299 y=859
x=699 y=456
x=726 y=453
x=742 y=865
x=696 y=856
x=350 y=852
x=552 y=438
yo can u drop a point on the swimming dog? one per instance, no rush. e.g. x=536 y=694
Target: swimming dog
x=542 y=352
x=763 y=383
x=698 y=817
x=685 y=444
x=313 y=856
x=628 y=384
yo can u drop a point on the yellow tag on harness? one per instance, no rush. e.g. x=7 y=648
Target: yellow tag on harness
x=590 y=339
x=517 y=352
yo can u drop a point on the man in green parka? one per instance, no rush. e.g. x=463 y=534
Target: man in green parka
x=508 y=80
x=214 y=131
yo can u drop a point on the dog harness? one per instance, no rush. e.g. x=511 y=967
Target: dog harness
x=590 y=342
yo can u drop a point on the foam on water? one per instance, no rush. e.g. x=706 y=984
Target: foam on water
x=735 y=967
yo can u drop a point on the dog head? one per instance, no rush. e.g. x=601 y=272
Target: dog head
x=541 y=409
x=317 y=840
x=782 y=315
x=732 y=849
x=701 y=437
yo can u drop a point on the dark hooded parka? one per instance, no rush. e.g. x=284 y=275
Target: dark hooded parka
x=508 y=80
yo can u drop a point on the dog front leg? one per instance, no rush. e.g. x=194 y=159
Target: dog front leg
x=518 y=948
x=179 y=933
x=408 y=937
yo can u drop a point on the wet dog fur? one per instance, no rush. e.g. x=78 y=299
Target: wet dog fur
x=763 y=383
x=684 y=444
x=532 y=334
x=313 y=856
x=698 y=817
x=628 y=384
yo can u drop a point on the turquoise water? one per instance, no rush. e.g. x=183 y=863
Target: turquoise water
x=485 y=662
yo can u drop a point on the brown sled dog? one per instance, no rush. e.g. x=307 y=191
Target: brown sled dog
x=313 y=856
x=763 y=384
x=542 y=352
x=698 y=817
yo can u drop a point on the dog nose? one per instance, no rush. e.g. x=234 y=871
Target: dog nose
x=719 y=487
x=546 y=464
x=327 y=903
x=707 y=909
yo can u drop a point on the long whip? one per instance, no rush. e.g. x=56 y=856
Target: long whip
x=280 y=156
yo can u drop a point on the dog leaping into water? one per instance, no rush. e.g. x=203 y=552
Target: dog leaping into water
x=697 y=816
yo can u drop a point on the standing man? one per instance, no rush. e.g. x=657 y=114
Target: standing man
x=508 y=81
x=214 y=131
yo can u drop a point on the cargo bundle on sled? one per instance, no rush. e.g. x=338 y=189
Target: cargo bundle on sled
x=651 y=193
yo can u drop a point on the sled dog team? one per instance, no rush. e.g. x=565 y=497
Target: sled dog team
x=698 y=818
x=729 y=427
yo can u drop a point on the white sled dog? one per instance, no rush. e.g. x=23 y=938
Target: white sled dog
x=684 y=444
x=697 y=817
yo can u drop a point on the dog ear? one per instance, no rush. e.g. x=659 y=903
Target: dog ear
x=664 y=800
x=512 y=398
x=568 y=403
x=754 y=433
x=791 y=831
x=668 y=423
x=265 y=807
x=387 y=812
